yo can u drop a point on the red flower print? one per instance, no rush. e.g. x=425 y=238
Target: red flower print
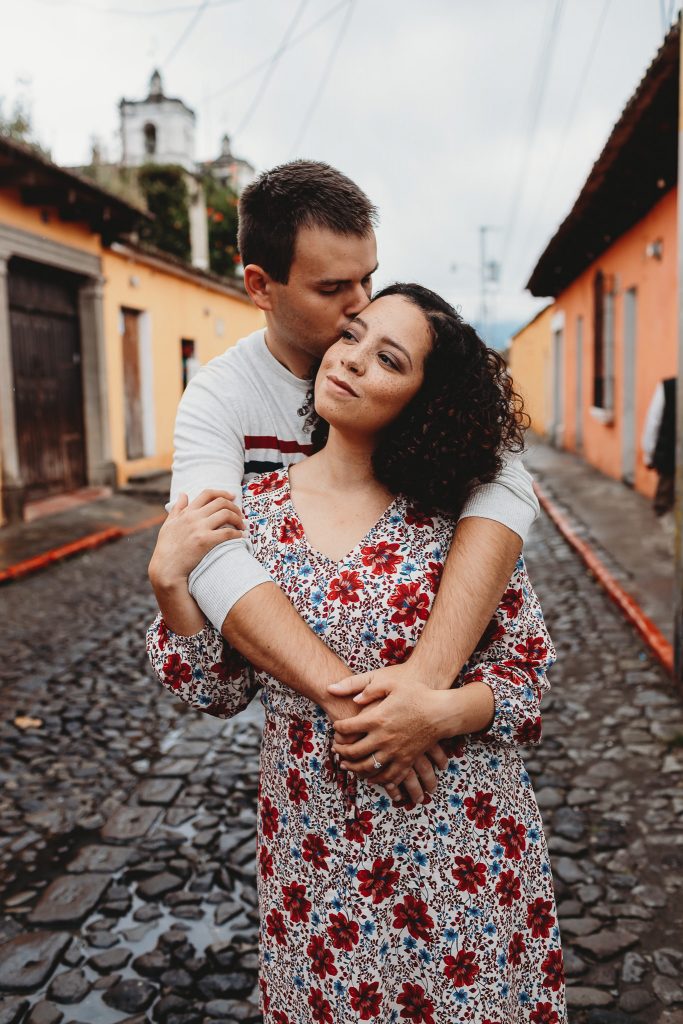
x=533 y=650
x=480 y=810
x=511 y=835
x=454 y=746
x=176 y=671
x=529 y=731
x=493 y=632
x=162 y=634
x=276 y=926
x=544 y=1014
x=469 y=876
x=539 y=918
x=506 y=672
x=280 y=1017
x=315 y=851
x=290 y=530
x=508 y=888
x=263 y=985
x=265 y=861
x=511 y=602
x=343 y=932
x=410 y=603
x=516 y=947
x=461 y=969
x=395 y=651
x=381 y=558
x=433 y=575
x=366 y=1000
x=322 y=959
x=380 y=881
x=419 y=519
x=268 y=483
x=269 y=818
x=295 y=902
x=413 y=914
x=345 y=587
x=297 y=786
x=358 y=827
x=553 y=968
x=417 y=1006
x=321 y=1010
x=300 y=733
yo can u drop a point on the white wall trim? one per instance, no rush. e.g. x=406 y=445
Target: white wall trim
x=149 y=442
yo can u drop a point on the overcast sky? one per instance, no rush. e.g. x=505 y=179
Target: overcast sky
x=451 y=114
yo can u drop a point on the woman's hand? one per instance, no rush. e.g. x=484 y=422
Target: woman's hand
x=402 y=730
x=190 y=532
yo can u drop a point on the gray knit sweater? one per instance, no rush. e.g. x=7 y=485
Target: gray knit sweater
x=239 y=417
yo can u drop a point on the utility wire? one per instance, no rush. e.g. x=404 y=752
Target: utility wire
x=324 y=78
x=272 y=64
x=185 y=34
x=264 y=63
x=573 y=109
x=132 y=12
x=537 y=96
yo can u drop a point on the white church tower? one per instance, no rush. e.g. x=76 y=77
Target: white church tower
x=158 y=129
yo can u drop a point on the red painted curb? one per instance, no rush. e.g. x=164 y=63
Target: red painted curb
x=76 y=547
x=627 y=604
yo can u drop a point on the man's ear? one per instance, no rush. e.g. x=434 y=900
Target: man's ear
x=258 y=285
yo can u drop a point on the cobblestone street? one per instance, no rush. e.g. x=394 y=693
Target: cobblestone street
x=127 y=823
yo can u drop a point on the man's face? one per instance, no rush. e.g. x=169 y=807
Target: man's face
x=330 y=282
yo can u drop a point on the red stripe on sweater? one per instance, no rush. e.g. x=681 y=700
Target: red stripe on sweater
x=274 y=443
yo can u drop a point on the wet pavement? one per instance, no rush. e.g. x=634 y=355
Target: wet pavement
x=127 y=822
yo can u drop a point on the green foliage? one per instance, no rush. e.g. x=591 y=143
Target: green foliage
x=18 y=127
x=165 y=191
x=221 y=209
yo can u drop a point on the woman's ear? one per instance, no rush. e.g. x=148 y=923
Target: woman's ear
x=258 y=285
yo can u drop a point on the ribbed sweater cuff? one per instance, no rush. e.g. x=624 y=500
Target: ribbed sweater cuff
x=219 y=585
x=495 y=504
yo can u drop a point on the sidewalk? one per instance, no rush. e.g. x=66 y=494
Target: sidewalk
x=616 y=523
x=87 y=524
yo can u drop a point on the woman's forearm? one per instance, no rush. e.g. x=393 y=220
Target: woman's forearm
x=180 y=611
x=465 y=709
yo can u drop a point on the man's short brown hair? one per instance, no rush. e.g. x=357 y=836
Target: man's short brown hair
x=300 y=194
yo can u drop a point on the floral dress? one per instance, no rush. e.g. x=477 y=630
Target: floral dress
x=371 y=910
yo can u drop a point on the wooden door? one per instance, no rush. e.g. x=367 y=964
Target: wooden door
x=48 y=387
x=130 y=337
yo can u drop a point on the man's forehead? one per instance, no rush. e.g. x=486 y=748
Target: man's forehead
x=326 y=256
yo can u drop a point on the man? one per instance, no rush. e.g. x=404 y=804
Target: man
x=659 y=443
x=309 y=252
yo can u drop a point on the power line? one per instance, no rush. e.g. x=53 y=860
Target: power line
x=325 y=75
x=573 y=109
x=264 y=63
x=537 y=95
x=186 y=31
x=132 y=13
x=272 y=64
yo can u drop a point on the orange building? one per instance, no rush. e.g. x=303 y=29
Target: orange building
x=98 y=335
x=611 y=269
x=530 y=364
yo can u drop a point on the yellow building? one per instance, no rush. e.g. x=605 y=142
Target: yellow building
x=530 y=362
x=98 y=335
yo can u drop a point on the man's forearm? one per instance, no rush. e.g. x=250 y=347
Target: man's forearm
x=478 y=568
x=266 y=628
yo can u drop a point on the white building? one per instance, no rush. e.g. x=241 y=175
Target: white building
x=158 y=129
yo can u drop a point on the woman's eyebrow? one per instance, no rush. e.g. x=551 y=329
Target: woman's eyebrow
x=386 y=339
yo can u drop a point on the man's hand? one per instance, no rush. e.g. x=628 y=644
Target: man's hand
x=402 y=726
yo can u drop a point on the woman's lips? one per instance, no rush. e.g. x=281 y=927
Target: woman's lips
x=340 y=385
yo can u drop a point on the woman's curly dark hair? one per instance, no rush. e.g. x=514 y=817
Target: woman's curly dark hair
x=454 y=433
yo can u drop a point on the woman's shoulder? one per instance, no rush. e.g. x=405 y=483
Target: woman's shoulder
x=265 y=490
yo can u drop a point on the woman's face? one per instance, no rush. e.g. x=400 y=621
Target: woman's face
x=370 y=375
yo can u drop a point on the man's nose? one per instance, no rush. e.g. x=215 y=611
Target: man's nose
x=356 y=300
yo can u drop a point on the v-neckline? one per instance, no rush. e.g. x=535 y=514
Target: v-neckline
x=356 y=547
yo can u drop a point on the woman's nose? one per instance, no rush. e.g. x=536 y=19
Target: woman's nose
x=353 y=363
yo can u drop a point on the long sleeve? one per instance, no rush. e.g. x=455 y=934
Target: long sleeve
x=201 y=670
x=513 y=658
x=509 y=499
x=653 y=421
x=209 y=453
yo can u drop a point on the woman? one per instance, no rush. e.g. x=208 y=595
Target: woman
x=373 y=909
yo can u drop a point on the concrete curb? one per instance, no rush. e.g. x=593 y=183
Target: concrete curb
x=88 y=543
x=625 y=602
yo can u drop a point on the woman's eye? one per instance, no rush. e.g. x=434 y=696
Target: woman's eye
x=348 y=336
x=388 y=361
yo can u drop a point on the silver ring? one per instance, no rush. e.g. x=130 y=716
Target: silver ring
x=375 y=763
